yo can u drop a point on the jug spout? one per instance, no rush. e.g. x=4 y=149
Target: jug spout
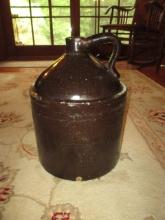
x=75 y=45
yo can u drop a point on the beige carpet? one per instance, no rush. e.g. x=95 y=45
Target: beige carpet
x=31 y=64
x=134 y=190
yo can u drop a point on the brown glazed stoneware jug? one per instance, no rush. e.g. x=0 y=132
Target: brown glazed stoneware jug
x=78 y=107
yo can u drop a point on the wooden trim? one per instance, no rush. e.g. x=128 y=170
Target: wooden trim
x=2 y=42
x=75 y=17
x=32 y=29
x=7 y=27
x=98 y=25
x=38 y=50
x=95 y=7
x=51 y=24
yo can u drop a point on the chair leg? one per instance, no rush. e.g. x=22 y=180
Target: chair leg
x=130 y=52
x=160 y=56
x=158 y=64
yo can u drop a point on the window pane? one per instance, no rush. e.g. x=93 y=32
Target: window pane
x=41 y=31
x=127 y=3
x=88 y=24
x=39 y=3
x=104 y=21
x=103 y=10
x=61 y=2
x=61 y=11
x=40 y=12
x=19 y=3
x=87 y=2
x=87 y=30
x=19 y=12
x=87 y=12
x=109 y=3
x=62 y=29
x=22 y=31
x=104 y=5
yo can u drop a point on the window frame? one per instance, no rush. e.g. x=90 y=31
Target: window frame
x=40 y=51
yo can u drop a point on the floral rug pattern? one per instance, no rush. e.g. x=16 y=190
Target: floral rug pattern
x=147 y=111
x=133 y=190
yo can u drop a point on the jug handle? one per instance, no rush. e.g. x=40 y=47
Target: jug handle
x=103 y=38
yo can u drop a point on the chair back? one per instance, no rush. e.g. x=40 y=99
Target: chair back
x=120 y=15
x=146 y=41
x=154 y=16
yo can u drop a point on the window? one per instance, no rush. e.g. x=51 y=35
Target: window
x=41 y=22
x=39 y=27
x=92 y=14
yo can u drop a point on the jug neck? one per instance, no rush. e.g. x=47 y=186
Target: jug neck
x=75 y=45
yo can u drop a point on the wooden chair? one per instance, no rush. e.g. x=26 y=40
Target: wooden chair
x=120 y=22
x=145 y=39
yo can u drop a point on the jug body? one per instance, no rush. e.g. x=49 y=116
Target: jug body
x=78 y=109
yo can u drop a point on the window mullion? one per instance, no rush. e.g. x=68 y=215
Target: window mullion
x=51 y=24
x=75 y=17
x=98 y=16
x=31 y=20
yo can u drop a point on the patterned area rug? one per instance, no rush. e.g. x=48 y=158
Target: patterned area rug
x=133 y=190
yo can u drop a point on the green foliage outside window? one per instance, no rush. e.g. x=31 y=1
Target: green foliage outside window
x=89 y=19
